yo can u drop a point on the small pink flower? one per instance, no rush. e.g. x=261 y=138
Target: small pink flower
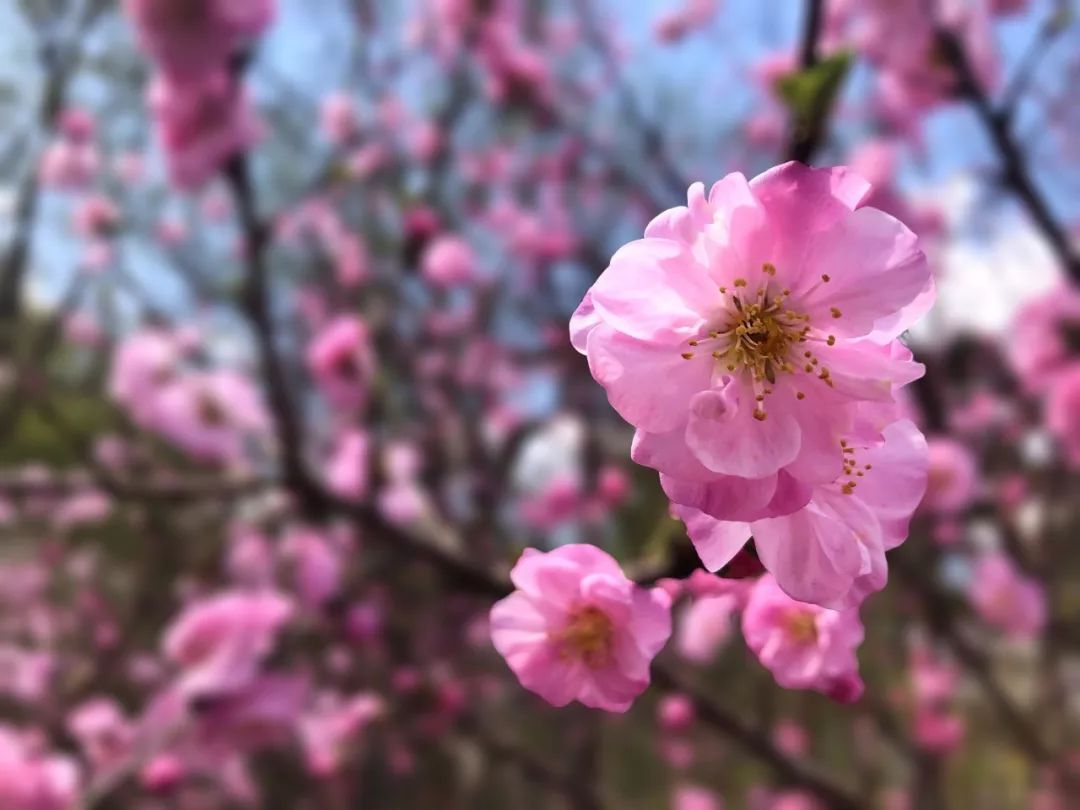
x=186 y=38
x=327 y=730
x=689 y=797
x=804 y=646
x=32 y=780
x=220 y=643
x=577 y=629
x=337 y=119
x=347 y=470
x=953 y=477
x=1006 y=599
x=448 y=261
x=103 y=732
x=201 y=124
x=341 y=361
x=210 y=414
x=676 y=713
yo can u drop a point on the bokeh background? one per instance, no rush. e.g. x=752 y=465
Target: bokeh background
x=438 y=182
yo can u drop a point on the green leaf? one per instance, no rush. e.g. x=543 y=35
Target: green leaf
x=809 y=93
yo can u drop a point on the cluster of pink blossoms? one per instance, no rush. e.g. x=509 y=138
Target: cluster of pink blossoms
x=751 y=338
x=200 y=108
x=209 y=413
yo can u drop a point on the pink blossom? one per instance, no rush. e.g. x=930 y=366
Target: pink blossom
x=577 y=629
x=746 y=422
x=341 y=361
x=104 y=734
x=26 y=675
x=337 y=118
x=804 y=646
x=141 y=365
x=31 y=780
x=1063 y=413
x=347 y=469
x=693 y=14
x=689 y=797
x=705 y=624
x=210 y=414
x=953 y=477
x=832 y=550
x=1007 y=599
x=676 y=713
x=220 y=643
x=201 y=124
x=317 y=566
x=327 y=730
x=448 y=260
x=96 y=215
x=1043 y=338
x=69 y=165
x=186 y=38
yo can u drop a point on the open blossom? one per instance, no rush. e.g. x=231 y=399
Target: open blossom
x=769 y=309
x=577 y=629
x=341 y=361
x=347 y=468
x=220 y=643
x=1007 y=599
x=804 y=646
x=832 y=550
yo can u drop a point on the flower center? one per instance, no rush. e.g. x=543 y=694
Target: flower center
x=210 y=411
x=760 y=334
x=801 y=627
x=588 y=636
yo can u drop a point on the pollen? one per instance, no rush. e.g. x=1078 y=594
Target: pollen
x=588 y=636
x=836 y=313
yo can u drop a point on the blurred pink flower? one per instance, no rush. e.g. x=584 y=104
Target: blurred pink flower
x=693 y=14
x=104 y=733
x=577 y=629
x=337 y=118
x=675 y=713
x=201 y=124
x=448 y=260
x=1045 y=337
x=32 y=780
x=327 y=730
x=221 y=642
x=804 y=646
x=1006 y=599
x=1063 y=413
x=210 y=414
x=953 y=477
x=187 y=38
x=347 y=468
x=341 y=361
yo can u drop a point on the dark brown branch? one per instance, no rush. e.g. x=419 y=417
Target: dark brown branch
x=758 y=745
x=806 y=136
